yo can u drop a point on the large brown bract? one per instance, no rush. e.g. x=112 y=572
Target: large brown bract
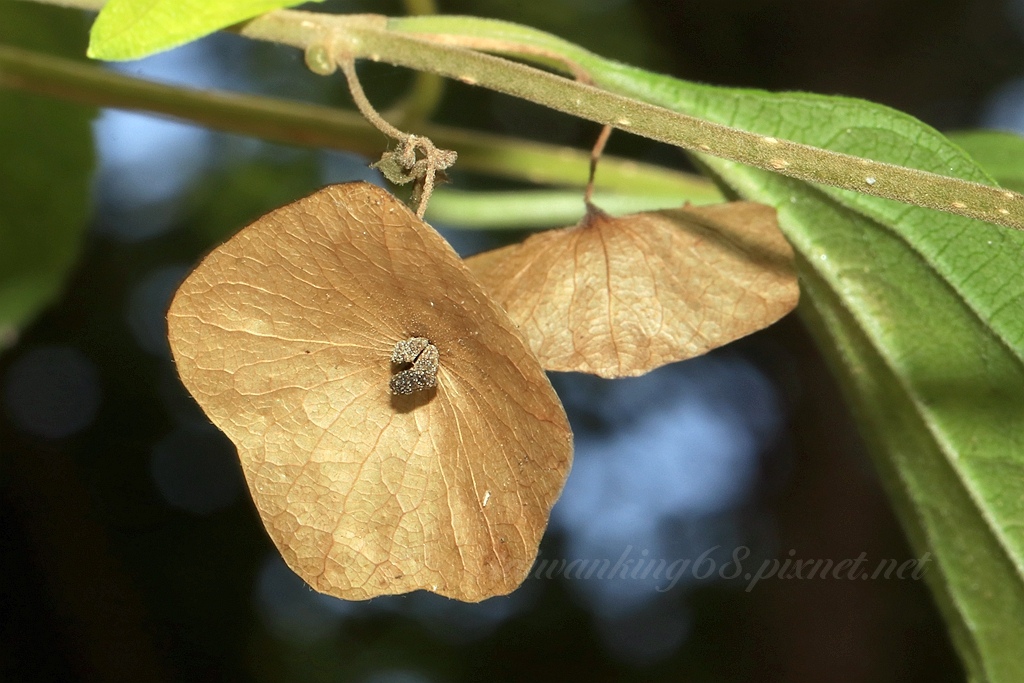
x=621 y=296
x=284 y=336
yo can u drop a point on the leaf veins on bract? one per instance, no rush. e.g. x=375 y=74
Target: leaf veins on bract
x=284 y=336
x=617 y=297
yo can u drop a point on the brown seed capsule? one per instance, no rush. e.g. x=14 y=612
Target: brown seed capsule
x=408 y=350
x=423 y=357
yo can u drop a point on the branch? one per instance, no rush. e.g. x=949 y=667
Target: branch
x=804 y=162
x=368 y=36
x=318 y=126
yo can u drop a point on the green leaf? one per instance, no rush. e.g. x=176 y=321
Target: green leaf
x=132 y=29
x=46 y=164
x=922 y=314
x=998 y=152
x=925 y=311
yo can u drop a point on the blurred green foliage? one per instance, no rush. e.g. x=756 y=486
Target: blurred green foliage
x=45 y=172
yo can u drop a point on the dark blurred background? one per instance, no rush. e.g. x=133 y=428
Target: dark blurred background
x=129 y=549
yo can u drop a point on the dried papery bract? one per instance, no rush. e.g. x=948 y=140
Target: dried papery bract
x=621 y=296
x=285 y=336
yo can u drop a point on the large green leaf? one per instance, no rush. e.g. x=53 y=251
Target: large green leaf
x=1000 y=153
x=922 y=313
x=925 y=311
x=131 y=29
x=46 y=160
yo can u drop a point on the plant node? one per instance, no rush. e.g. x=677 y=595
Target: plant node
x=416 y=159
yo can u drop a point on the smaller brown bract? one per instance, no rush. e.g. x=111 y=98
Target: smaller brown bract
x=422 y=356
x=621 y=296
